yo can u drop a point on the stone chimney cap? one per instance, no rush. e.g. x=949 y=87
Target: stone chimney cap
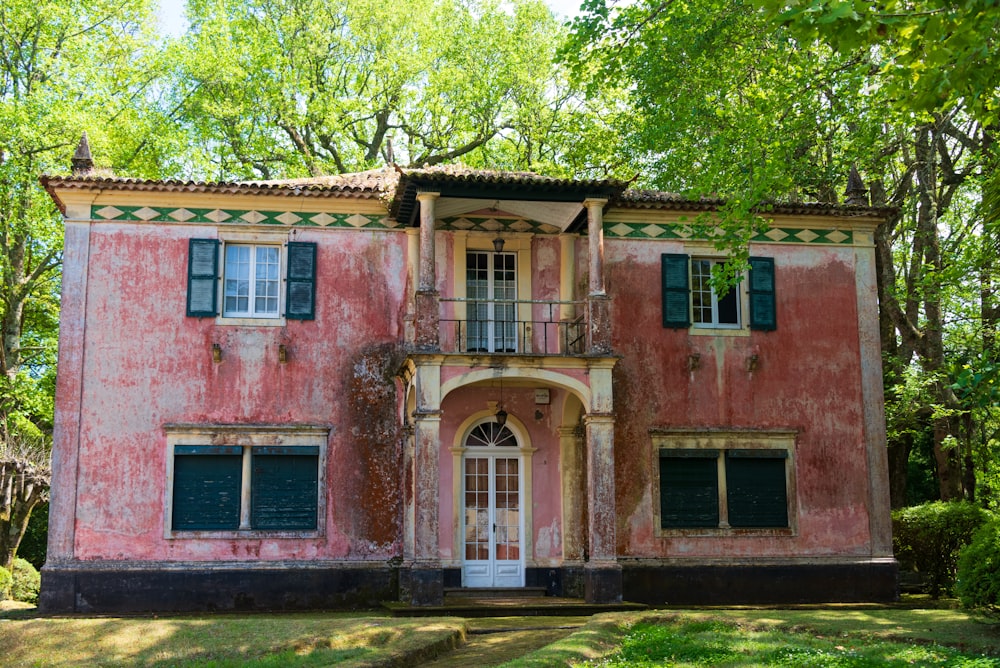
x=83 y=163
x=856 y=193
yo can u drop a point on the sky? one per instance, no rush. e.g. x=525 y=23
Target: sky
x=171 y=13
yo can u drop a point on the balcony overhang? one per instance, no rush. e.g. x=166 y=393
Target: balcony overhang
x=555 y=202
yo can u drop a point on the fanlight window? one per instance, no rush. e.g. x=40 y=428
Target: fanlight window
x=490 y=434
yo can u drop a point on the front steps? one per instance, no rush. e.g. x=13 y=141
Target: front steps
x=514 y=602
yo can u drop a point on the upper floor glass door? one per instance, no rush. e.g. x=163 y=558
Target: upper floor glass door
x=491 y=290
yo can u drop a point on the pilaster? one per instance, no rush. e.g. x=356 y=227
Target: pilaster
x=602 y=574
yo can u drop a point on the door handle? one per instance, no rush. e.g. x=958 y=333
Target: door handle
x=494 y=527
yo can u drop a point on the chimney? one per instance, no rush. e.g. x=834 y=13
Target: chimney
x=83 y=164
x=856 y=193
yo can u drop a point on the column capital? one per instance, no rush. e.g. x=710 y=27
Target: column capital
x=595 y=201
x=427 y=195
x=599 y=418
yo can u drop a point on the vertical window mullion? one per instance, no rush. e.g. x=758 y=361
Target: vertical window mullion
x=723 y=495
x=245 y=489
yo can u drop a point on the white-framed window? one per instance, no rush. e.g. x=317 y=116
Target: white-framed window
x=245 y=480
x=254 y=281
x=690 y=302
x=715 y=483
x=251 y=278
x=708 y=308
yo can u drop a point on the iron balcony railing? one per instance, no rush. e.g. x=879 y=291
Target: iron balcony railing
x=517 y=326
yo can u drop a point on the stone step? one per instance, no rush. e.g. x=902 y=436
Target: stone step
x=494 y=592
x=516 y=606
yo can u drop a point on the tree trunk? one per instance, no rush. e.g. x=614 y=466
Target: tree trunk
x=899 y=459
x=22 y=487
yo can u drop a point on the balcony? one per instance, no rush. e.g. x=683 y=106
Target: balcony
x=512 y=327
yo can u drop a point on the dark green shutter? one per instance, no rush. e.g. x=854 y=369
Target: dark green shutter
x=689 y=489
x=207 y=488
x=755 y=489
x=300 y=295
x=283 y=492
x=203 y=270
x=676 y=297
x=762 y=304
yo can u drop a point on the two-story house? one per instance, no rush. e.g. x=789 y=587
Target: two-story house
x=335 y=391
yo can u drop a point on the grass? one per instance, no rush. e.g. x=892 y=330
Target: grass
x=831 y=636
x=223 y=641
x=822 y=636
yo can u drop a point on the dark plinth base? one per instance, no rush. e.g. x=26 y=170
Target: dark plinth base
x=602 y=584
x=125 y=588
x=426 y=586
x=871 y=581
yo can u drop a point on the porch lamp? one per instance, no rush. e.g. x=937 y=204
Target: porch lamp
x=498 y=244
x=501 y=415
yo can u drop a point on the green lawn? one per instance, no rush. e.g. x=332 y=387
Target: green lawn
x=827 y=636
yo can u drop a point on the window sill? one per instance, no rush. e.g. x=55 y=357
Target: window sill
x=708 y=532
x=249 y=322
x=718 y=331
x=249 y=534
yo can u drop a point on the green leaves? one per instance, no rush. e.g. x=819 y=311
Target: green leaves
x=938 y=53
x=287 y=87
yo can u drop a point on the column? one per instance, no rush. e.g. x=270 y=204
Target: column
x=427 y=307
x=595 y=237
x=870 y=344
x=571 y=456
x=426 y=576
x=598 y=312
x=602 y=574
x=412 y=269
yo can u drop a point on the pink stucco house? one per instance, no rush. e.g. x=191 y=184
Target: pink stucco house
x=341 y=390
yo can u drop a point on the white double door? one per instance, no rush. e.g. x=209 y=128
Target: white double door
x=493 y=526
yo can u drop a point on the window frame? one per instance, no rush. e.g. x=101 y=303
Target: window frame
x=755 y=301
x=723 y=445
x=254 y=281
x=297 y=277
x=249 y=440
x=738 y=291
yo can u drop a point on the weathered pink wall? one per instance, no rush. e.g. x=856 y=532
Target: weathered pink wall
x=146 y=364
x=807 y=380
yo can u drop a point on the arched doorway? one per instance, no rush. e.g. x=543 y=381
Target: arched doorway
x=493 y=501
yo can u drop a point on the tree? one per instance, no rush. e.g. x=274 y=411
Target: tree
x=65 y=66
x=730 y=102
x=24 y=483
x=277 y=88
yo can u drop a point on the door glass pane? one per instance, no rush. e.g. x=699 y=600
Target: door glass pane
x=477 y=534
x=508 y=516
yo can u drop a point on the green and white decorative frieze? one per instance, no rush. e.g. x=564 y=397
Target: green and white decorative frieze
x=486 y=224
x=683 y=232
x=243 y=217
x=614 y=230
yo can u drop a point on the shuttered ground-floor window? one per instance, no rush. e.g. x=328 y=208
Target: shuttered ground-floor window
x=229 y=488
x=725 y=487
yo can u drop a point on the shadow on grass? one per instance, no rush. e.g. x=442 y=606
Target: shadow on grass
x=224 y=640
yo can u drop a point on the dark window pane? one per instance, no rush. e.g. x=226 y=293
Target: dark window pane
x=689 y=491
x=756 y=493
x=206 y=491
x=728 y=308
x=283 y=493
